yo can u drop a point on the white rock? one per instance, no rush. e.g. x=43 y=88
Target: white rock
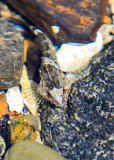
x=14 y=99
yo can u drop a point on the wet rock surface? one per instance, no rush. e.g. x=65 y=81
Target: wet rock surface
x=70 y=16
x=11 y=55
x=84 y=129
x=5 y=130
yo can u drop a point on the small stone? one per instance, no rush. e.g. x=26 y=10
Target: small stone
x=21 y=130
x=3 y=105
x=14 y=99
x=31 y=150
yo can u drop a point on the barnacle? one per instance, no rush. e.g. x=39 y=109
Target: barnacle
x=29 y=93
x=74 y=57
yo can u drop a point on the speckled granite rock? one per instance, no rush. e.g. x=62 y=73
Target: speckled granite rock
x=5 y=130
x=84 y=130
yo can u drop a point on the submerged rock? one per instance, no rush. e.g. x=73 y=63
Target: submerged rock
x=64 y=20
x=84 y=130
x=11 y=55
x=31 y=150
x=5 y=140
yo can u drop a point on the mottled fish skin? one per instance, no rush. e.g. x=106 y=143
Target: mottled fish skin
x=54 y=84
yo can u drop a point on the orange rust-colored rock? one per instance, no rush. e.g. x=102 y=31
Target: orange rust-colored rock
x=107 y=20
x=78 y=20
x=21 y=130
x=3 y=105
